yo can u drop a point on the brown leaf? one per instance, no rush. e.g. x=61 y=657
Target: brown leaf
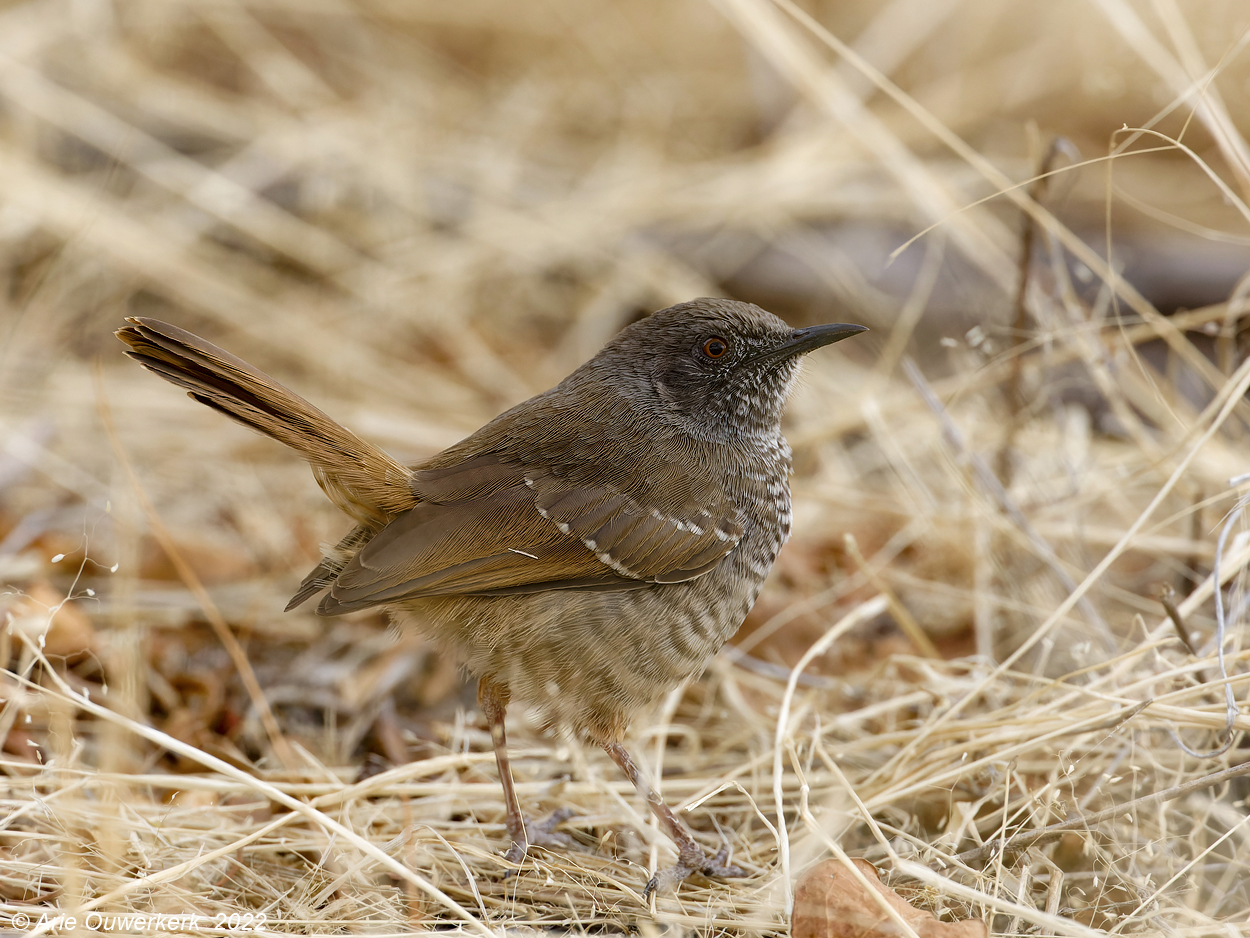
x=20 y=744
x=829 y=902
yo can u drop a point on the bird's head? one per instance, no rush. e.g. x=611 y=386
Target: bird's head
x=719 y=368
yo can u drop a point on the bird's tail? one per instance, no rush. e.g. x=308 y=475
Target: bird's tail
x=358 y=477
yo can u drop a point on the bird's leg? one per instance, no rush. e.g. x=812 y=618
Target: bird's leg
x=690 y=855
x=493 y=699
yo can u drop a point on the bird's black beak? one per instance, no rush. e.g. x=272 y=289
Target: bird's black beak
x=802 y=341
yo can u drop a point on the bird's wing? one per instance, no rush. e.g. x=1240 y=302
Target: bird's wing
x=487 y=527
x=659 y=545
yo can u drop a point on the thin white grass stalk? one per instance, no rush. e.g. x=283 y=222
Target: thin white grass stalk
x=468 y=873
x=1179 y=873
x=1194 y=89
x=1063 y=725
x=856 y=873
x=711 y=788
x=178 y=870
x=914 y=307
x=1207 y=720
x=861 y=613
x=836 y=771
x=1017 y=194
x=1227 y=191
x=1191 y=604
x=72 y=478
x=989 y=482
x=1025 y=184
x=900 y=403
x=769 y=826
x=1221 y=637
x=225 y=768
x=439 y=764
x=980 y=238
x=1156 y=677
x=39 y=805
x=1117 y=385
x=152 y=252
x=215 y=194
x=1231 y=394
x=946 y=886
x=1192 y=86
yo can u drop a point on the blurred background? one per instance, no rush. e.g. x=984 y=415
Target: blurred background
x=417 y=214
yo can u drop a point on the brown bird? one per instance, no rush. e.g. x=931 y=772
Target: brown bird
x=587 y=550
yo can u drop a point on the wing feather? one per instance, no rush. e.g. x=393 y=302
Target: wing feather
x=495 y=528
x=647 y=542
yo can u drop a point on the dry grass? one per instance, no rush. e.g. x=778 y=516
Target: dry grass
x=419 y=213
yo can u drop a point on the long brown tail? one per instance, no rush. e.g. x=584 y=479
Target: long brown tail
x=358 y=477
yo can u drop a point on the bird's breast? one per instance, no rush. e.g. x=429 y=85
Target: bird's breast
x=762 y=490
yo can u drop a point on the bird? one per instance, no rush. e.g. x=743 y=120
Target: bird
x=586 y=551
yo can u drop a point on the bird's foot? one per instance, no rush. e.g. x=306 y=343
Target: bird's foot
x=542 y=834
x=691 y=859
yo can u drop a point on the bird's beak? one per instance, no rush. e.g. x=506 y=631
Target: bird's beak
x=802 y=341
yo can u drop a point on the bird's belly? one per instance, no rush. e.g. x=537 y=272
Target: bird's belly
x=589 y=660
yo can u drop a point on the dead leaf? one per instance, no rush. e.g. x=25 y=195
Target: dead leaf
x=829 y=902
x=22 y=745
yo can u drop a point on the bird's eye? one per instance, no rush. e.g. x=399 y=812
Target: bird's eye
x=715 y=347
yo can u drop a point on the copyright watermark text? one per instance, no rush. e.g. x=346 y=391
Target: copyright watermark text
x=131 y=922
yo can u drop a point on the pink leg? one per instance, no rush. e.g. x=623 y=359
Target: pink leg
x=690 y=855
x=493 y=699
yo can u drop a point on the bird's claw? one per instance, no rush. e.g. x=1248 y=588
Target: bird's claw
x=691 y=859
x=542 y=834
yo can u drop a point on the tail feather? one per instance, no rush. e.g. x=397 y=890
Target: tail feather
x=358 y=477
x=325 y=573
